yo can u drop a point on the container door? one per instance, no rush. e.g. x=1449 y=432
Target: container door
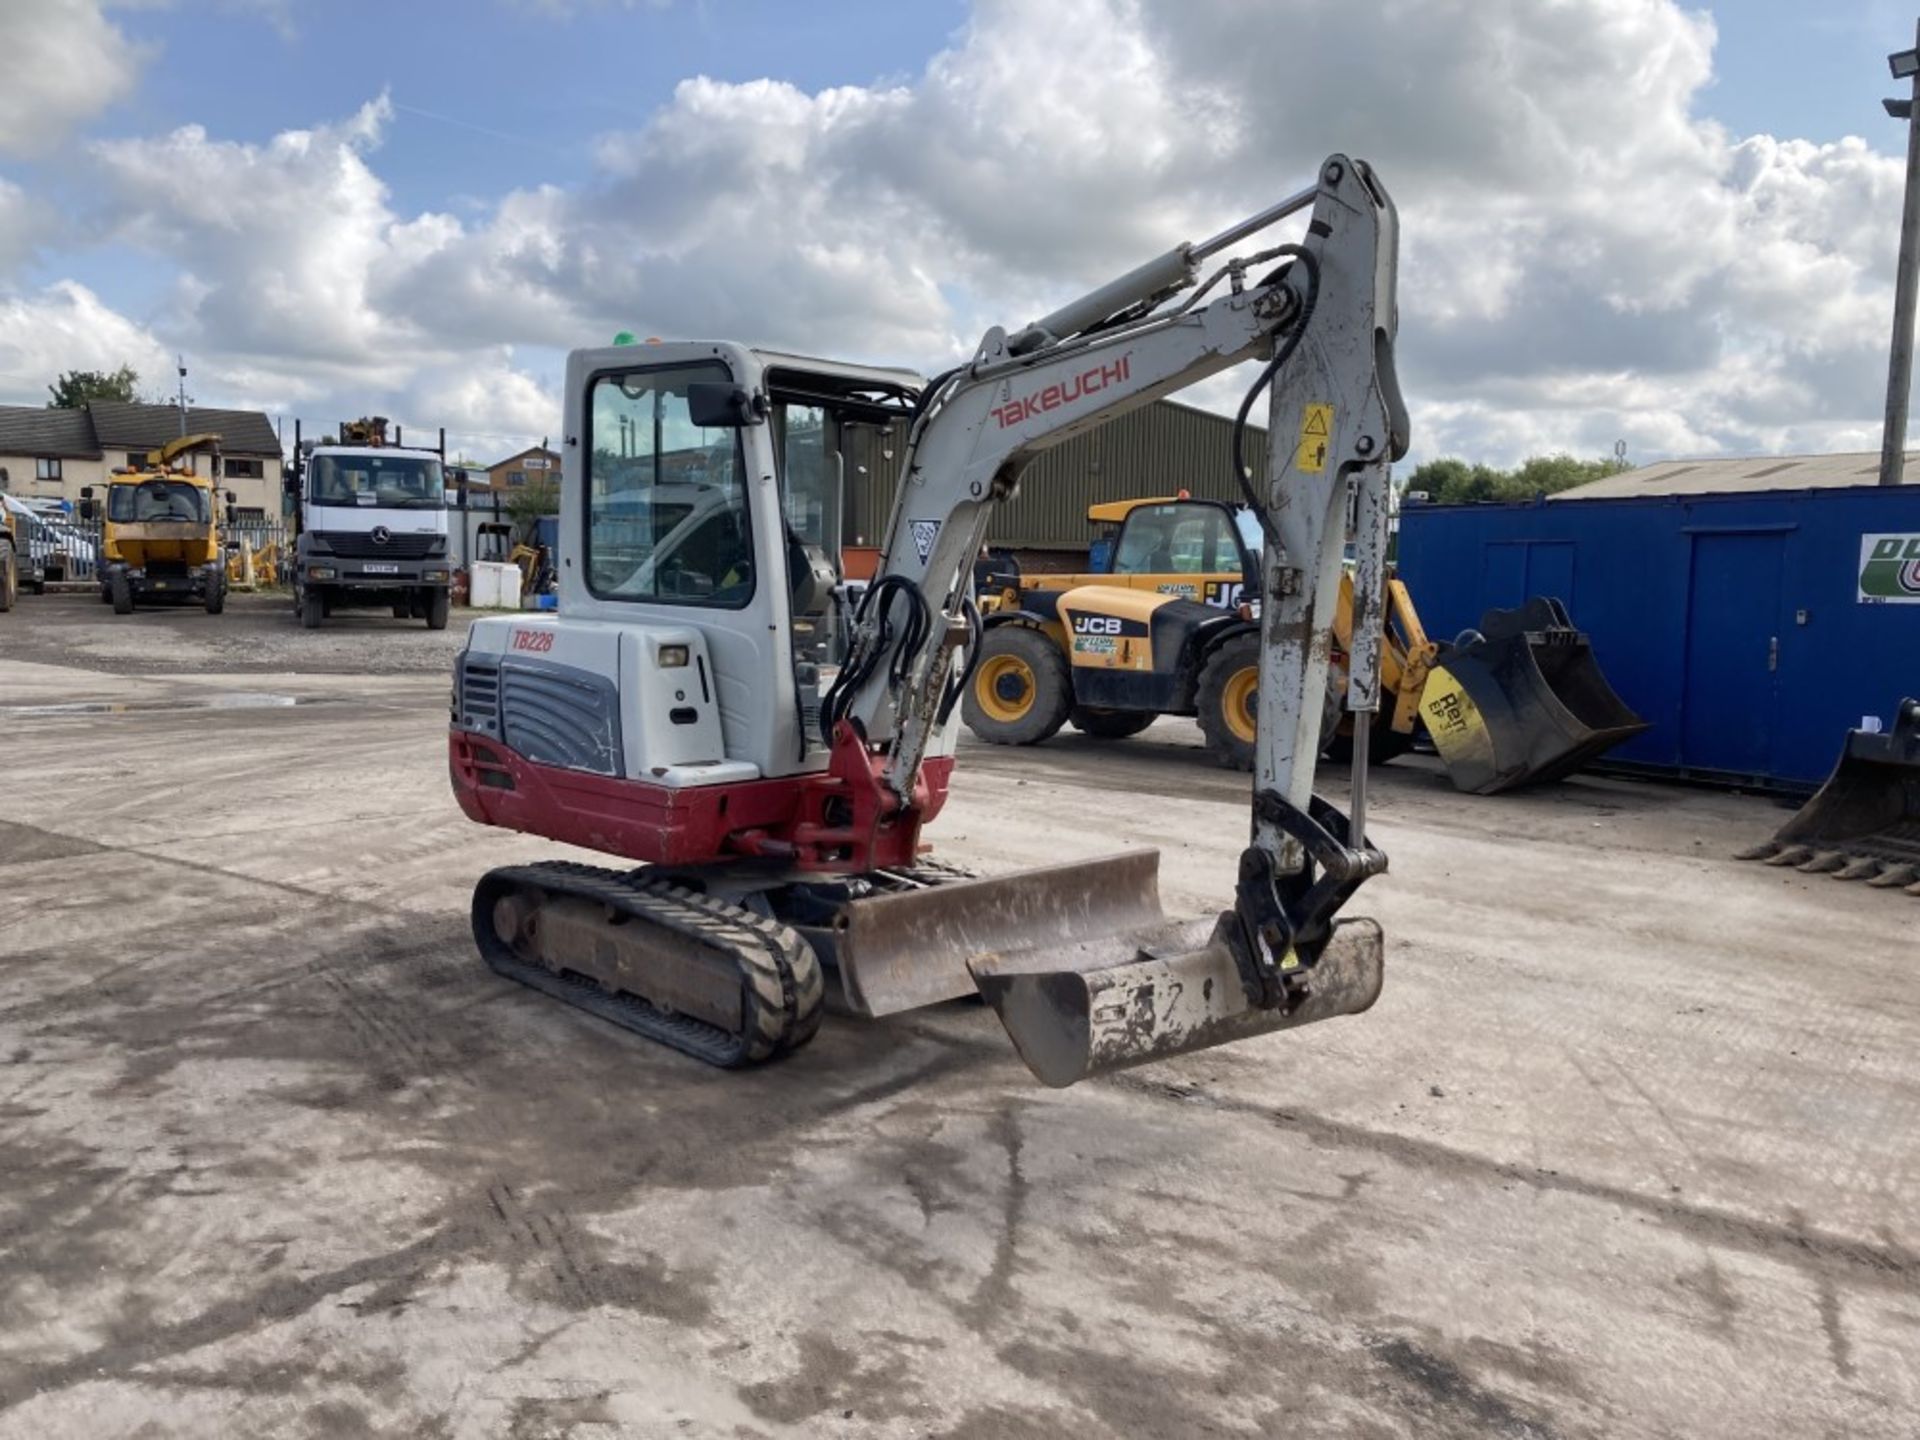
x=1733 y=653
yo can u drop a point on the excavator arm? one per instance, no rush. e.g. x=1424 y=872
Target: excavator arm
x=1322 y=317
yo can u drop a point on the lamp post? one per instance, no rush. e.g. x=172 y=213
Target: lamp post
x=1905 y=65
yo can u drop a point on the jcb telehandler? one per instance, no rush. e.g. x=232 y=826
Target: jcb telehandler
x=1165 y=624
x=689 y=708
x=161 y=537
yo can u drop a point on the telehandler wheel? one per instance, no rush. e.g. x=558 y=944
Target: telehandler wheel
x=120 y=589
x=312 y=608
x=439 y=606
x=1229 y=700
x=1022 y=689
x=9 y=580
x=1111 y=724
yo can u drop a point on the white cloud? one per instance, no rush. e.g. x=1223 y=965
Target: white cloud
x=67 y=327
x=65 y=62
x=1585 y=257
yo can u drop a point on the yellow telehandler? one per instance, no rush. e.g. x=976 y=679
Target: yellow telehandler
x=1164 y=623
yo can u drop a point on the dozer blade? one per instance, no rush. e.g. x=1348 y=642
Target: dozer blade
x=1087 y=1008
x=1864 y=823
x=1522 y=702
x=903 y=950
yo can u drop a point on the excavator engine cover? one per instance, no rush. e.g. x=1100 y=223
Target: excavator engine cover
x=1864 y=823
x=1523 y=701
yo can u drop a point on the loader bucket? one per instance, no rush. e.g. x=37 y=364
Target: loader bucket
x=1521 y=702
x=1082 y=1009
x=1864 y=823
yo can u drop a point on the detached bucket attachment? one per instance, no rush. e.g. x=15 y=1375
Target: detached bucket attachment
x=1522 y=702
x=1084 y=1009
x=1864 y=823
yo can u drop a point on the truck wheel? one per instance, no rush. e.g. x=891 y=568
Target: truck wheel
x=403 y=609
x=1111 y=724
x=216 y=598
x=120 y=591
x=1229 y=700
x=439 y=605
x=313 y=609
x=1022 y=688
x=39 y=586
x=9 y=580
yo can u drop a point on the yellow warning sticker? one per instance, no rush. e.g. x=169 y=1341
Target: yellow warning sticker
x=1316 y=433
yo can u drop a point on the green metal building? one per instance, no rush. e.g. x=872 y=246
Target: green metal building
x=1156 y=450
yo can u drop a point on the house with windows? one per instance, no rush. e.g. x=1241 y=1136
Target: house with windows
x=535 y=466
x=54 y=454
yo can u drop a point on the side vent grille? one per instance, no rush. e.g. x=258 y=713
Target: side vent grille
x=479 y=703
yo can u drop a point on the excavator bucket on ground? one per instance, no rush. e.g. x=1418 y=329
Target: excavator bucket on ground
x=1864 y=823
x=1084 y=968
x=1522 y=700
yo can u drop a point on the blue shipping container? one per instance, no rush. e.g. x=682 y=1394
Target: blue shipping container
x=1751 y=629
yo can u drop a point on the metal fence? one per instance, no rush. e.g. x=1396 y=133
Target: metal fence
x=68 y=548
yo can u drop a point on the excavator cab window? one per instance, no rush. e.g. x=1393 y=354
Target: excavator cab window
x=666 y=506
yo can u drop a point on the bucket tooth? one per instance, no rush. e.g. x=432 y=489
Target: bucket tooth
x=1764 y=850
x=1895 y=877
x=1824 y=862
x=1860 y=867
x=1791 y=855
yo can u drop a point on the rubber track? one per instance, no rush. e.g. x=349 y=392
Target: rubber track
x=780 y=977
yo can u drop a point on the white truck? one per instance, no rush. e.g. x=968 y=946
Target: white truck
x=371 y=523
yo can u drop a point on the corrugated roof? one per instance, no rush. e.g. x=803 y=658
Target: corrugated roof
x=36 y=430
x=1753 y=472
x=129 y=425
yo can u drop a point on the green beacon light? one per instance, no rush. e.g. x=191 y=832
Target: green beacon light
x=625 y=337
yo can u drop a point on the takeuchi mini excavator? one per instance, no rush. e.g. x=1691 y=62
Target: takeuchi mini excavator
x=701 y=705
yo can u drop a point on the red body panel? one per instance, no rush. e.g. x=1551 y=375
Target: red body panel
x=841 y=820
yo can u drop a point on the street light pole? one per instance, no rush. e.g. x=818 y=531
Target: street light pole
x=1905 y=65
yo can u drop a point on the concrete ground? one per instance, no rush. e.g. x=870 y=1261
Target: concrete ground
x=1628 y=1147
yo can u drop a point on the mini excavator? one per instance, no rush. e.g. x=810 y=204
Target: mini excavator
x=707 y=702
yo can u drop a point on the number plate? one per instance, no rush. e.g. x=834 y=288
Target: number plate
x=380 y=569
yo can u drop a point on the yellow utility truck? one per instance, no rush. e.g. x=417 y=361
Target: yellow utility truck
x=160 y=540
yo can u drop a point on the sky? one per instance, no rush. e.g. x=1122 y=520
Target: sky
x=1622 y=220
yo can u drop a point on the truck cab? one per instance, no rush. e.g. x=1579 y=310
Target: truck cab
x=372 y=527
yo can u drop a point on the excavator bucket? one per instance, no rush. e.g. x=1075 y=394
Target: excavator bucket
x=1088 y=1008
x=1522 y=701
x=1864 y=823
x=1084 y=968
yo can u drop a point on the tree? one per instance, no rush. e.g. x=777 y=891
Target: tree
x=1448 y=481
x=528 y=503
x=76 y=387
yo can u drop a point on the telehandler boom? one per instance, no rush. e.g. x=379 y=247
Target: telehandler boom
x=697 y=705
